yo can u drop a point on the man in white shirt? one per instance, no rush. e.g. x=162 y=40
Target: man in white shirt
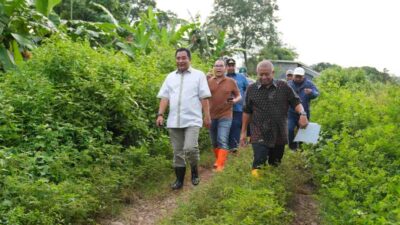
x=186 y=92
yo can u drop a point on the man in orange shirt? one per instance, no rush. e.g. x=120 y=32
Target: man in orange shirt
x=224 y=93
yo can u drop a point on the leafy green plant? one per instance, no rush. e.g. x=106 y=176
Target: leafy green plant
x=21 y=27
x=76 y=129
x=357 y=161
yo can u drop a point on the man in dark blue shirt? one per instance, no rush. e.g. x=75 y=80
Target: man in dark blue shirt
x=306 y=91
x=234 y=135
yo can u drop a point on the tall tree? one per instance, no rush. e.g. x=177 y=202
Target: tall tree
x=319 y=67
x=248 y=23
x=274 y=51
x=125 y=11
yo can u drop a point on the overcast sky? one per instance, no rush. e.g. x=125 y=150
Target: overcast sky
x=344 y=32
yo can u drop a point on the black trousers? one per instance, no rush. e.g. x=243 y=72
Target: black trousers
x=262 y=153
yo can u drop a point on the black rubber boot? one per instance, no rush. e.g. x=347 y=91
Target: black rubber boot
x=180 y=176
x=195 y=175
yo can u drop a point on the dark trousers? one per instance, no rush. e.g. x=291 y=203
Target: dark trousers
x=293 y=124
x=234 y=134
x=262 y=153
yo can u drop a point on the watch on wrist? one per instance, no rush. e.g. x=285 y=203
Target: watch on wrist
x=160 y=114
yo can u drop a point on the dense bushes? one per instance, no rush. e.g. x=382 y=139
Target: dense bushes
x=77 y=127
x=357 y=162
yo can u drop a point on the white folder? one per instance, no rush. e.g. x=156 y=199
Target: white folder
x=310 y=134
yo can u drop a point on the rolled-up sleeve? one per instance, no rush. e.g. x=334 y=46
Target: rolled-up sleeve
x=164 y=93
x=204 y=90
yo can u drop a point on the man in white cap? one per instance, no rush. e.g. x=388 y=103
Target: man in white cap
x=306 y=90
x=289 y=75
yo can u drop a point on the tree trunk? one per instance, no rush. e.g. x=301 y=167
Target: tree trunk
x=245 y=58
x=244 y=46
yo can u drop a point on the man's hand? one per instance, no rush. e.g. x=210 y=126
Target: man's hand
x=307 y=91
x=303 y=121
x=207 y=121
x=160 y=121
x=243 y=139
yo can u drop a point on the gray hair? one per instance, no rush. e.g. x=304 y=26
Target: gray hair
x=265 y=63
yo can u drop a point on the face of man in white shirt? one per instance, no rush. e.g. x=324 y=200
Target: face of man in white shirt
x=182 y=61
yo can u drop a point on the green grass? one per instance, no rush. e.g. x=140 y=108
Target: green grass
x=235 y=197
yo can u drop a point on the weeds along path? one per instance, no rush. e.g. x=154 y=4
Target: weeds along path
x=305 y=209
x=149 y=211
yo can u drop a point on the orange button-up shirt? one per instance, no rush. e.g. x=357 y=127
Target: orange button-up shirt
x=221 y=90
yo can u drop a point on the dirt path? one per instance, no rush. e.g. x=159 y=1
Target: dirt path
x=148 y=212
x=305 y=206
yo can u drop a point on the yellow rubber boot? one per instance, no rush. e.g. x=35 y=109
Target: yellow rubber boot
x=255 y=174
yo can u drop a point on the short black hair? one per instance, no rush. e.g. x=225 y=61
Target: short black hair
x=184 y=50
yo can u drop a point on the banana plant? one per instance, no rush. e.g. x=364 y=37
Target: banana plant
x=21 y=27
x=46 y=6
x=147 y=33
x=103 y=34
x=209 y=41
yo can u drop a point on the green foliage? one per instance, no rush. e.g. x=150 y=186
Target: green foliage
x=146 y=34
x=46 y=6
x=319 y=67
x=376 y=76
x=209 y=41
x=235 y=197
x=247 y=23
x=76 y=128
x=123 y=10
x=21 y=27
x=357 y=161
x=271 y=51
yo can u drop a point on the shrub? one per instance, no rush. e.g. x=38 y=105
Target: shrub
x=357 y=162
x=76 y=128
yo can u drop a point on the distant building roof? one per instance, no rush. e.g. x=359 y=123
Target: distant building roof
x=281 y=66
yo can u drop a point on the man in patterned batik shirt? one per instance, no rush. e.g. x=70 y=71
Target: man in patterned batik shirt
x=267 y=102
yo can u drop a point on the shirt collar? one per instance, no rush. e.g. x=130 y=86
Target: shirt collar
x=189 y=70
x=231 y=74
x=259 y=85
x=223 y=78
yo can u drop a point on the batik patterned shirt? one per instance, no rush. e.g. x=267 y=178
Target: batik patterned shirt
x=268 y=108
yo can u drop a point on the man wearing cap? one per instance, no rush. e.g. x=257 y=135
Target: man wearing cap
x=289 y=75
x=234 y=134
x=266 y=109
x=306 y=90
x=186 y=92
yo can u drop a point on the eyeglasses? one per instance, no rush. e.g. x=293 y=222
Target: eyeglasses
x=218 y=65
